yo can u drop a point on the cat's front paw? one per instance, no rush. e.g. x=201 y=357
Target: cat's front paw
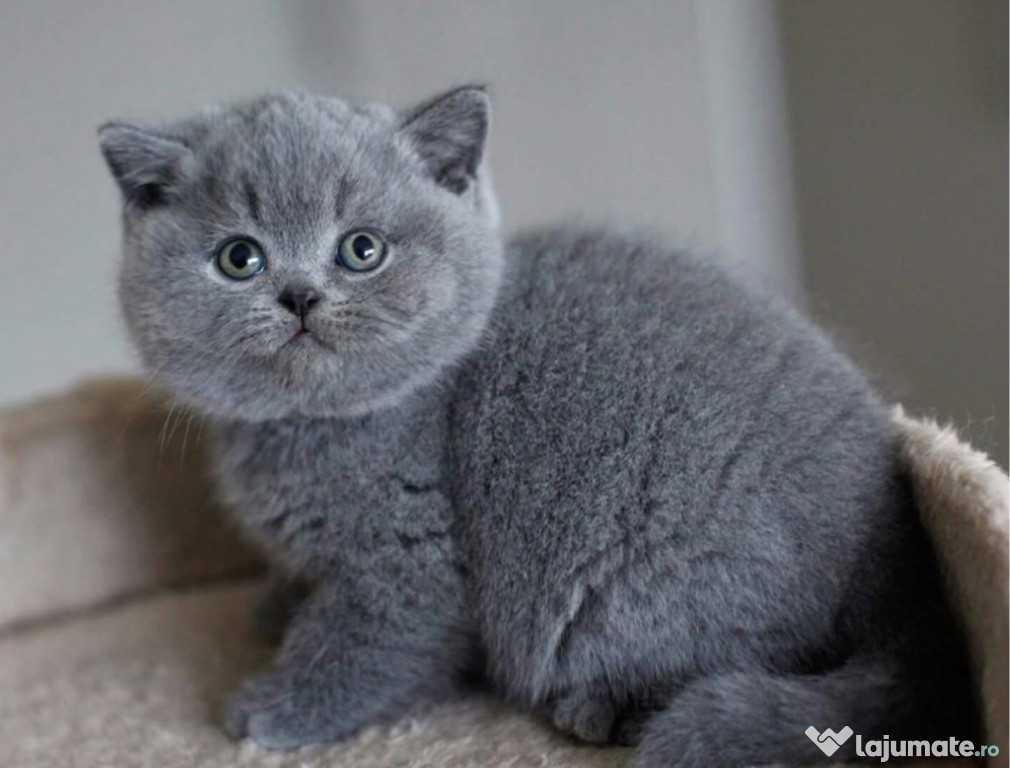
x=278 y=713
x=585 y=716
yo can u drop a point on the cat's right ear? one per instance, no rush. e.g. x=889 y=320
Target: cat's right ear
x=144 y=162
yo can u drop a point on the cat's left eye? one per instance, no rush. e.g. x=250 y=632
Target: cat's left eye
x=361 y=250
x=241 y=259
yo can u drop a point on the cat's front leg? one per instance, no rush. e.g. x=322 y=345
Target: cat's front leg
x=359 y=650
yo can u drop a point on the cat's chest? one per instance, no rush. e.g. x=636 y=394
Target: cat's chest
x=359 y=486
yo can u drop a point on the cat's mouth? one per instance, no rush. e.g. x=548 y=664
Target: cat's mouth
x=304 y=337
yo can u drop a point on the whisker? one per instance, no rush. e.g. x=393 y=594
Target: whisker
x=199 y=431
x=185 y=437
x=161 y=436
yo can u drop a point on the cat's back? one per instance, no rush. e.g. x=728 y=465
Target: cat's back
x=606 y=346
x=634 y=412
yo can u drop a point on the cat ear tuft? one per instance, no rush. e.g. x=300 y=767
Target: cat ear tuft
x=449 y=133
x=144 y=162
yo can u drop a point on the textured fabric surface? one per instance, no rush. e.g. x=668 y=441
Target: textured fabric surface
x=963 y=499
x=102 y=494
x=125 y=602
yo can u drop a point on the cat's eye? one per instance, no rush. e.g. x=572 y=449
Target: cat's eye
x=361 y=250
x=241 y=259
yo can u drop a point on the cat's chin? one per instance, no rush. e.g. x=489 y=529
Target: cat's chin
x=303 y=356
x=310 y=386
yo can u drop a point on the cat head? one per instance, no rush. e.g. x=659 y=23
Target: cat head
x=305 y=256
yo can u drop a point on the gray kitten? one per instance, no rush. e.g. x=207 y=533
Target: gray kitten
x=621 y=488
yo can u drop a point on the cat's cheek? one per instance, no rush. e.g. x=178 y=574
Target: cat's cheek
x=431 y=298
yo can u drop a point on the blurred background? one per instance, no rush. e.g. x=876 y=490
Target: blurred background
x=851 y=156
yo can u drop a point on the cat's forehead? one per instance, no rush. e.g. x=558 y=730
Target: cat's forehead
x=294 y=133
x=296 y=152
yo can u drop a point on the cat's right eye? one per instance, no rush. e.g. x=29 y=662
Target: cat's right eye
x=241 y=259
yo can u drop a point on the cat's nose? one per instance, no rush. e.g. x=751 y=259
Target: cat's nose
x=299 y=300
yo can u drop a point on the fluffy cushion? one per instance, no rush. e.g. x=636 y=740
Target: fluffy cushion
x=125 y=600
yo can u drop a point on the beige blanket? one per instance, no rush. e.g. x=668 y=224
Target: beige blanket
x=125 y=600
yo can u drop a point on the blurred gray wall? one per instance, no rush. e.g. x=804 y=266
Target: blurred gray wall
x=899 y=126
x=665 y=113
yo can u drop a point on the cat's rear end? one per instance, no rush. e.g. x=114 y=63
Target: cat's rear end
x=900 y=670
x=688 y=522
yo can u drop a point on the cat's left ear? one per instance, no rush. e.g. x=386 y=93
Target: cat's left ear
x=145 y=163
x=449 y=133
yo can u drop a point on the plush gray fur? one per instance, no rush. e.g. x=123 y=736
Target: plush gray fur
x=626 y=491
